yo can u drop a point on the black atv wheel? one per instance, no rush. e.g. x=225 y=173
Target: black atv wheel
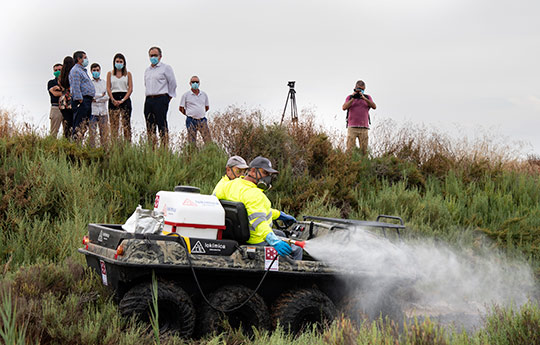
x=176 y=311
x=253 y=314
x=298 y=310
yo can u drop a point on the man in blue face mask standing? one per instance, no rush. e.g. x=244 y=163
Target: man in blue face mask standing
x=194 y=104
x=100 y=111
x=82 y=92
x=160 y=84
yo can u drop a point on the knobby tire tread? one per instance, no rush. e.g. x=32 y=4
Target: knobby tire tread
x=228 y=297
x=291 y=305
x=139 y=298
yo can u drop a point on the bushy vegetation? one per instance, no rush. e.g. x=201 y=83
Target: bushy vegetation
x=51 y=189
x=66 y=304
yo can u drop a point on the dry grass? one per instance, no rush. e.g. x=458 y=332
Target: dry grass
x=248 y=132
x=7 y=128
x=438 y=152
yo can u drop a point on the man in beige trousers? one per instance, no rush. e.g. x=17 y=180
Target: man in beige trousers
x=357 y=106
x=55 y=92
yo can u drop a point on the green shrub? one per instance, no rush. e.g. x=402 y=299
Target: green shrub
x=10 y=331
x=51 y=189
x=513 y=327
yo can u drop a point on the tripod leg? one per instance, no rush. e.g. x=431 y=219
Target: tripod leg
x=294 y=109
x=285 y=109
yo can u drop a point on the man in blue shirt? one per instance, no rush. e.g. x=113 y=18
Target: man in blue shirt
x=82 y=93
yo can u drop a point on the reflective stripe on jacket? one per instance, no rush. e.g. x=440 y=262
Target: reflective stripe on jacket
x=257 y=206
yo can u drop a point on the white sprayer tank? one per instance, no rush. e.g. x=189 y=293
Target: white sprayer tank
x=191 y=214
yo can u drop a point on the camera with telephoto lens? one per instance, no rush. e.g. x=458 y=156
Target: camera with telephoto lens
x=291 y=84
x=356 y=95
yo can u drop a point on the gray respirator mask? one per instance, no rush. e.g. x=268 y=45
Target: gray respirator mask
x=264 y=183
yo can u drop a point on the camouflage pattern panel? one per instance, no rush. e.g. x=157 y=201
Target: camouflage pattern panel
x=253 y=258
x=101 y=251
x=153 y=252
x=285 y=264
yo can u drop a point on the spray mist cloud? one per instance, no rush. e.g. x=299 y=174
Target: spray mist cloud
x=439 y=279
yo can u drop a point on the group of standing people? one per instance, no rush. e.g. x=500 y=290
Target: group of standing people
x=82 y=103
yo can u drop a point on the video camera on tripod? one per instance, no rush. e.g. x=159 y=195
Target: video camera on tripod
x=292 y=96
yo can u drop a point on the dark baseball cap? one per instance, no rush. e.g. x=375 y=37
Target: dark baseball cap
x=237 y=161
x=263 y=163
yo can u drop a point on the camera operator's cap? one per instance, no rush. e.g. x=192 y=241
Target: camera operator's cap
x=237 y=161
x=263 y=163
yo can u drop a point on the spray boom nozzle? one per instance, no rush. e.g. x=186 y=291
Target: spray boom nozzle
x=300 y=244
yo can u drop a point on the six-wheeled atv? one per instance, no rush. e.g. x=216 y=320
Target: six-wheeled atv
x=200 y=280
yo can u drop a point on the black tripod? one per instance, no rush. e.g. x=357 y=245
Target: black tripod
x=292 y=96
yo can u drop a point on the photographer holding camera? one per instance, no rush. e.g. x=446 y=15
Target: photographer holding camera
x=358 y=121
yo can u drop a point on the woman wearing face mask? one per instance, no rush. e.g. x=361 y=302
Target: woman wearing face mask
x=64 y=102
x=119 y=89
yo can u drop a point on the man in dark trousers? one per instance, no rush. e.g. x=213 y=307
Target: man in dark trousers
x=160 y=85
x=55 y=92
x=358 y=105
x=82 y=94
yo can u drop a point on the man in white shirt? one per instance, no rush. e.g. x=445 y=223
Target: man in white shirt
x=100 y=112
x=194 y=104
x=160 y=86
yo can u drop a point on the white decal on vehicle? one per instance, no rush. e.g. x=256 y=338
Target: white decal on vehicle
x=103 y=272
x=269 y=254
x=198 y=248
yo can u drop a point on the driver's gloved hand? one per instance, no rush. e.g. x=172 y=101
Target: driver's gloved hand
x=282 y=247
x=286 y=218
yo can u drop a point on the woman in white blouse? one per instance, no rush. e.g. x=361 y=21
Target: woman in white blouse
x=119 y=89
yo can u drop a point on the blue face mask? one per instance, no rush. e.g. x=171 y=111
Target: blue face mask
x=154 y=60
x=195 y=86
x=95 y=74
x=85 y=63
x=118 y=65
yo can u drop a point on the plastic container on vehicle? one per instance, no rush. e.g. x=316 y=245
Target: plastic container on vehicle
x=191 y=214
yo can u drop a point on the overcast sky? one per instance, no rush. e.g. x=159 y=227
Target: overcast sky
x=444 y=63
